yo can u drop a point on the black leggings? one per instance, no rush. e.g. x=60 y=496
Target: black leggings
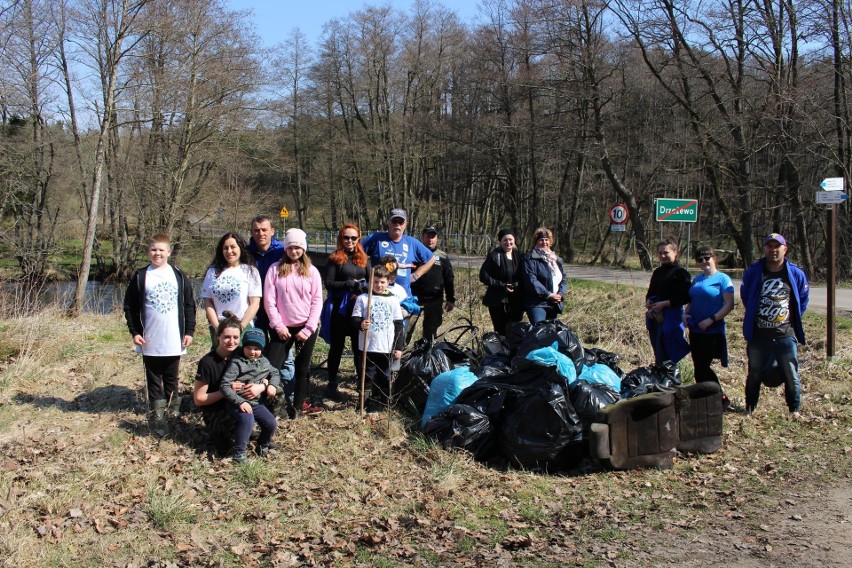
x=704 y=348
x=278 y=351
x=341 y=328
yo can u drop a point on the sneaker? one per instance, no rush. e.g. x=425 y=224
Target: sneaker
x=239 y=457
x=308 y=408
x=795 y=415
x=262 y=451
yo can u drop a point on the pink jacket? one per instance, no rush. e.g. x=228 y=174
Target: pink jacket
x=293 y=300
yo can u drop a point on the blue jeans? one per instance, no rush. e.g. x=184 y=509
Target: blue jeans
x=762 y=354
x=245 y=424
x=538 y=314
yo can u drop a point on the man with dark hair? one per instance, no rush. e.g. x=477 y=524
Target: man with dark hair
x=266 y=250
x=775 y=293
x=434 y=283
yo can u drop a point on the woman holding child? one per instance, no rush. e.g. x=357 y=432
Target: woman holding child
x=232 y=283
x=293 y=301
x=345 y=274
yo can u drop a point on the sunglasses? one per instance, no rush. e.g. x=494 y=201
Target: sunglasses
x=349 y=238
x=703 y=258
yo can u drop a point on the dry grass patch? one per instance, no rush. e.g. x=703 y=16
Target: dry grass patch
x=82 y=482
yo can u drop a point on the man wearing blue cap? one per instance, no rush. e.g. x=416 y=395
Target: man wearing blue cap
x=775 y=293
x=412 y=256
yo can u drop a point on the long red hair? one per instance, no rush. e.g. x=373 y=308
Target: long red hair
x=340 y=256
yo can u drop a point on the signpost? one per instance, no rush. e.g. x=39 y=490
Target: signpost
x=830 y=197
x=680 y=210
x=677 y=210
x=284 y=214
x=831 y=194
x=832 y=184
x=618 y=215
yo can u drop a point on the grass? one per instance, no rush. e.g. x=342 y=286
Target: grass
x=341 y=490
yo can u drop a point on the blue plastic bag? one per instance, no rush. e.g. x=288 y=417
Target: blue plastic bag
x=444 y=390
x=600 y=373
x=550 y=357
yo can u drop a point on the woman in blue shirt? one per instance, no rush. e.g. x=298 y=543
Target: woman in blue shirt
x=711 y=299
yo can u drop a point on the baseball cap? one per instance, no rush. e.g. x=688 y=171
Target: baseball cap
x=430 y=229
x=775 y=237
x=398 y=213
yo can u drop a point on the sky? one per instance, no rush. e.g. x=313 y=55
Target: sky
x=274 y=20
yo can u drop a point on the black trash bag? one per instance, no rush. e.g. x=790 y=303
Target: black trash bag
x=422 y=364
x=595 y=355
x=494 y=366
x=546 y=333
x=516 y=331
x=657 y=378
x=539 y=425
x=462 y=426
x=590 y=398
x=494 y=344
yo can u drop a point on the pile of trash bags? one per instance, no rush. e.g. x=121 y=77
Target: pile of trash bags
x=528 y=398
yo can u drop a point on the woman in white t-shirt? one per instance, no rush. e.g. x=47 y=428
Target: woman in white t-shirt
x=232 y=284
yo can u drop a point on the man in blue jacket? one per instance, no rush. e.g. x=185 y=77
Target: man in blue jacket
x=775 y=293
x=266 y=250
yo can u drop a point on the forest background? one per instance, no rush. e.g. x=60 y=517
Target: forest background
x=121 y=118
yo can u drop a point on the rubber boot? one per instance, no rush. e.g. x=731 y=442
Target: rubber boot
x=157 y=418
x=174 y=406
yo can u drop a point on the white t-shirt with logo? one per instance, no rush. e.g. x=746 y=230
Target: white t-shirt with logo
x=232 y=289
x=162 y=328
x=383 y=311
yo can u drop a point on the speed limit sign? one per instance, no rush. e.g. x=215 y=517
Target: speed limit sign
x=618 y=214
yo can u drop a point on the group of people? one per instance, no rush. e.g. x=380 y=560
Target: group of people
x=263 y=301
x=775 y=294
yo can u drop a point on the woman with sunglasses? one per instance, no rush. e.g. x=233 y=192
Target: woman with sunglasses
x=667 y=293
x=545 y=279
x=345 y=278
x=711 y=299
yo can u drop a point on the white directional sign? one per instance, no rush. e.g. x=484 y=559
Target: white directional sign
x=830 y=197
x=831 y=184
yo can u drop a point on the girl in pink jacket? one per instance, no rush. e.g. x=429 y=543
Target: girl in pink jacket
x=292 y=296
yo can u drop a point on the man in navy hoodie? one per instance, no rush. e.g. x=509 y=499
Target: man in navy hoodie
x=266 y=250
x=775 y=293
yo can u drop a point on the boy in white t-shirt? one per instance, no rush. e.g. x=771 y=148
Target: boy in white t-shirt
x=383 y=331
x=159 y=307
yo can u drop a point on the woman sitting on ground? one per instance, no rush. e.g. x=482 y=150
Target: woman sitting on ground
x=206 y=392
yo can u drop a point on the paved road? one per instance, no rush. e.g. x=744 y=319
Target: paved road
x=640 y=279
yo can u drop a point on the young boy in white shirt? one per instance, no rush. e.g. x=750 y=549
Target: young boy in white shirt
x=159 y=307
x=383 y=331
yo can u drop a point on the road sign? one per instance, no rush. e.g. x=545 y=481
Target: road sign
x=284 y=213
x=616 y=228
x=618 y=214
x=830 y=197
x=682 y=210
x=832 y=184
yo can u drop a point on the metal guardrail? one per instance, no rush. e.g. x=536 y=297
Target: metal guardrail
x=452 y=243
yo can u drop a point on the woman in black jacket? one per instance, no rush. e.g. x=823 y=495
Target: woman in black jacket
x=501 y=272
x=345 y=275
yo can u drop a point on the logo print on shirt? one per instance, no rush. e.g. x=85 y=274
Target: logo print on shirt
x=774 y=309
x=163 y=297
x=226 y=288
